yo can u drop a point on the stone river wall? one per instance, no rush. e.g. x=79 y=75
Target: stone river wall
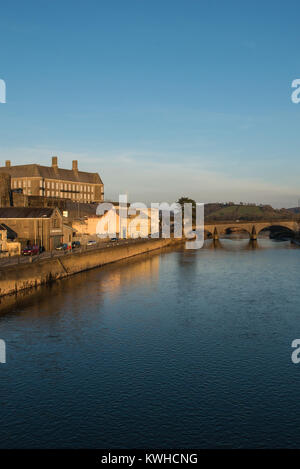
x=21 y=276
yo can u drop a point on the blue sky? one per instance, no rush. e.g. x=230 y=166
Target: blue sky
x=163 y=98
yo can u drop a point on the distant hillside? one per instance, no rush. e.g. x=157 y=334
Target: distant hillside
x=219 y=212
x=210 y=208
x=294 y=209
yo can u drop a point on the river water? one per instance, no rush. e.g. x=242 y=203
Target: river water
x=179 y=349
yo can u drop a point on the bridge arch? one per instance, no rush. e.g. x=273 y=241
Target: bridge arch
x=283 y=227
x=236 y=229
x=208 y=234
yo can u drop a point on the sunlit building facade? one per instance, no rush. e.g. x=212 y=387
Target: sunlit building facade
x=52 y=181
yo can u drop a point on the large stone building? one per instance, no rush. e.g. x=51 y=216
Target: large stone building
x=39 y=226
x=52 y=181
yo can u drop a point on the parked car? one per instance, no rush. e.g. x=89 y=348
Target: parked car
x=31 y=250
x=76 y=244
x=62 y=247
x=114 y=239
x=91 y=242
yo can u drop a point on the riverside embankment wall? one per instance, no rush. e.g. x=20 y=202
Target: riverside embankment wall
x=21 y=276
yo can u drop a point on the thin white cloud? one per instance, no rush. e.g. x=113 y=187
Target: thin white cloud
x=149 y=176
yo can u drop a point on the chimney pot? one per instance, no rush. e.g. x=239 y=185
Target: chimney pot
x=7 y=163
x=54 y=162
x=75 y=165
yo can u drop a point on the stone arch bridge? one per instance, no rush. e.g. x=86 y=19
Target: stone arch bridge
x=253 y=228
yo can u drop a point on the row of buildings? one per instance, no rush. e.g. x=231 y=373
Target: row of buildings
x=49 y=205
x=39 y=203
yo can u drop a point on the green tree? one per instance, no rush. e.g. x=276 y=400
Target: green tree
x=186 y=200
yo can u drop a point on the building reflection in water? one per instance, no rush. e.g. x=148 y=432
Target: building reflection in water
x=88 y=288
x=143 y=269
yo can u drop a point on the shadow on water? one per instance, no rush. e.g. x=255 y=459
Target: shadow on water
x=246 y=244
x=226 y=243
x=64 y=294
x=229 y=244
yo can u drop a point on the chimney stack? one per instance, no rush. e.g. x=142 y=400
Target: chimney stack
x=54 y=162
x=7 y=163
x=75 y=165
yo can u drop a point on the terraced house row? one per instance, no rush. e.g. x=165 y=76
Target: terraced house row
x=52 y=181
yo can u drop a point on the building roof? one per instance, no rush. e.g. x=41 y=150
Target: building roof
x=68 y=227
x=26 y=212
x=116 y=204
x=49 y=172
x=11 y=234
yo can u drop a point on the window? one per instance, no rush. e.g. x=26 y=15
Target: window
x=55 y=222
x=92 y=189
x=52 y=185
x=15 y=184
x=41 y=192
x=29 y=183
x=48 y=185
x=88 y=188
x=69 y=187
x=66 y=187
